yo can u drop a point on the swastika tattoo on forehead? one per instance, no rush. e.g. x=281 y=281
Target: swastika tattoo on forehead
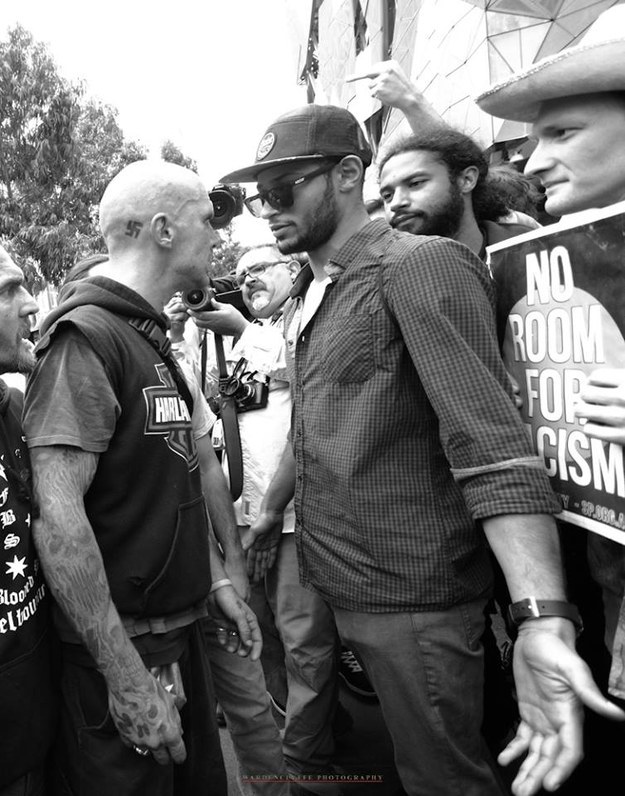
x=133 y=228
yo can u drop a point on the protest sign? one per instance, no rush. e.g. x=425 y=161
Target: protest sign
x=561 y=315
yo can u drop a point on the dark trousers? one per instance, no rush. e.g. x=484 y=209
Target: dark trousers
x=427 y=669
x=91 y=760
x=31 y=784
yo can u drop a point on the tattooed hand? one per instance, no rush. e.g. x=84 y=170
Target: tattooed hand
x=146 y=718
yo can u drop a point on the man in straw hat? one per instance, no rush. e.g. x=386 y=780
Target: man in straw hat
x=576 y=103
x=408 y=456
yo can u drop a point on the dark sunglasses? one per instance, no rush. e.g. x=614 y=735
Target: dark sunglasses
x=281 y=195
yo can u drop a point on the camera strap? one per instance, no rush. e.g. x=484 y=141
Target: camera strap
x=149 y=330
x=230 y=423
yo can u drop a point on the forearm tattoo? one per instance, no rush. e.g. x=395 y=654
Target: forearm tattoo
x=69 y=552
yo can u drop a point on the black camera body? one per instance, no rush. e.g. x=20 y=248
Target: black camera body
x=246 y=390
x=252 y=394
x=199 y=299
x=227 y=201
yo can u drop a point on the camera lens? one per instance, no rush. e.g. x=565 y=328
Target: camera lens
x=195 y=297
x=224 y=207
x=198 y=299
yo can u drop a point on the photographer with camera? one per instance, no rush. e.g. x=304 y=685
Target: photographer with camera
x=256 y=363
x=239 y=683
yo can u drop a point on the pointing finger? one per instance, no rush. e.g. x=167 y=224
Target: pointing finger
x=365 y=76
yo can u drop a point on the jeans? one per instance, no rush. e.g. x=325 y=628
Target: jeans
x=241 y=691
x=272 y=656
x=308 y=633
x=427 y=670
x=93 y=761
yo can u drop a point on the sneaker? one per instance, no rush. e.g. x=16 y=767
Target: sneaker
x=353 y=675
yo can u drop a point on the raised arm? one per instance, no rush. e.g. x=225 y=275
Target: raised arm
x=389 y=84
x=144 y=713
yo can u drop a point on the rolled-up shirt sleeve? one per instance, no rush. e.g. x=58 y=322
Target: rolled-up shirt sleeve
x=443 y=302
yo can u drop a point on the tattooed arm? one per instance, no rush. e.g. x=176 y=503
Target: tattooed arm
x=143 y=712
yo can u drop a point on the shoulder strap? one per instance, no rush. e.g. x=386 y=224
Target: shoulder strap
x=150 y=331
x=228 y=411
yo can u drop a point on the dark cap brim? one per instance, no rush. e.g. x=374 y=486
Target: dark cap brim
x=250 y=173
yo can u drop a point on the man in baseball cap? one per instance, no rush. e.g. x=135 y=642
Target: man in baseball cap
x=309 y=133
x=407 y=455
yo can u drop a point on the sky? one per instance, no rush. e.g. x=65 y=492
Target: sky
x=210 y=75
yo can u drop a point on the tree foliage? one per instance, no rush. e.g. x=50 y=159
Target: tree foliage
x=226 y=257
x=171 y=153
x=59 y=149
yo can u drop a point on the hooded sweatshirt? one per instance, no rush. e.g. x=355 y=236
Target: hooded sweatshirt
x=145 y=502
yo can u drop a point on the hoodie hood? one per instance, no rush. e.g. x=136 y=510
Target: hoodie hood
x=106 y=293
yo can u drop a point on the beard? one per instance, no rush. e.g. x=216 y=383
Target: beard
x=443 y=218
x=321 y=224
x=25 y=359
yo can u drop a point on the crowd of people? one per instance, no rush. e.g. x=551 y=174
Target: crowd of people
x=391 y=501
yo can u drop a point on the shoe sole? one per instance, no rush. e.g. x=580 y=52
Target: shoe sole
x=356 y=690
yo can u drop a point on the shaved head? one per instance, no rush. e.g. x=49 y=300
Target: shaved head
x=141 y=191
x=156 y=220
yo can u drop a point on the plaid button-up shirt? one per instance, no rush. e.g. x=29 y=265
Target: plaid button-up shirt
x=404 y=430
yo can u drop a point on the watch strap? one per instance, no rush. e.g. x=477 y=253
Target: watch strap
x=533 y=608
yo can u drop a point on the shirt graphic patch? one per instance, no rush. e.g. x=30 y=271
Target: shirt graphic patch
x=11 y=540
x=16 y=567
x=167 y=414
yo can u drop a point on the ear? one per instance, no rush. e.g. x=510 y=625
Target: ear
x=467 y=179
x=162 y=231
x=293 y=268
x=350 y=172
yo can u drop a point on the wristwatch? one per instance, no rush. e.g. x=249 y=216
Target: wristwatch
x=531 y=608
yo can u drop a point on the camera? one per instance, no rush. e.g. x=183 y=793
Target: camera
x=199 y=299
x=221 y=288
x=227 y=203
x=248 y=391
x=252 y=394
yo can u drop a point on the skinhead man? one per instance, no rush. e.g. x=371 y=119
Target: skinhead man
x=123 y=535
x=251 y=718
x=408 y=456
x=576 y=103
x=27 y=691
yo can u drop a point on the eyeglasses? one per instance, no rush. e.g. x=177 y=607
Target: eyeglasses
x=281 y=195
x=256 y=270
